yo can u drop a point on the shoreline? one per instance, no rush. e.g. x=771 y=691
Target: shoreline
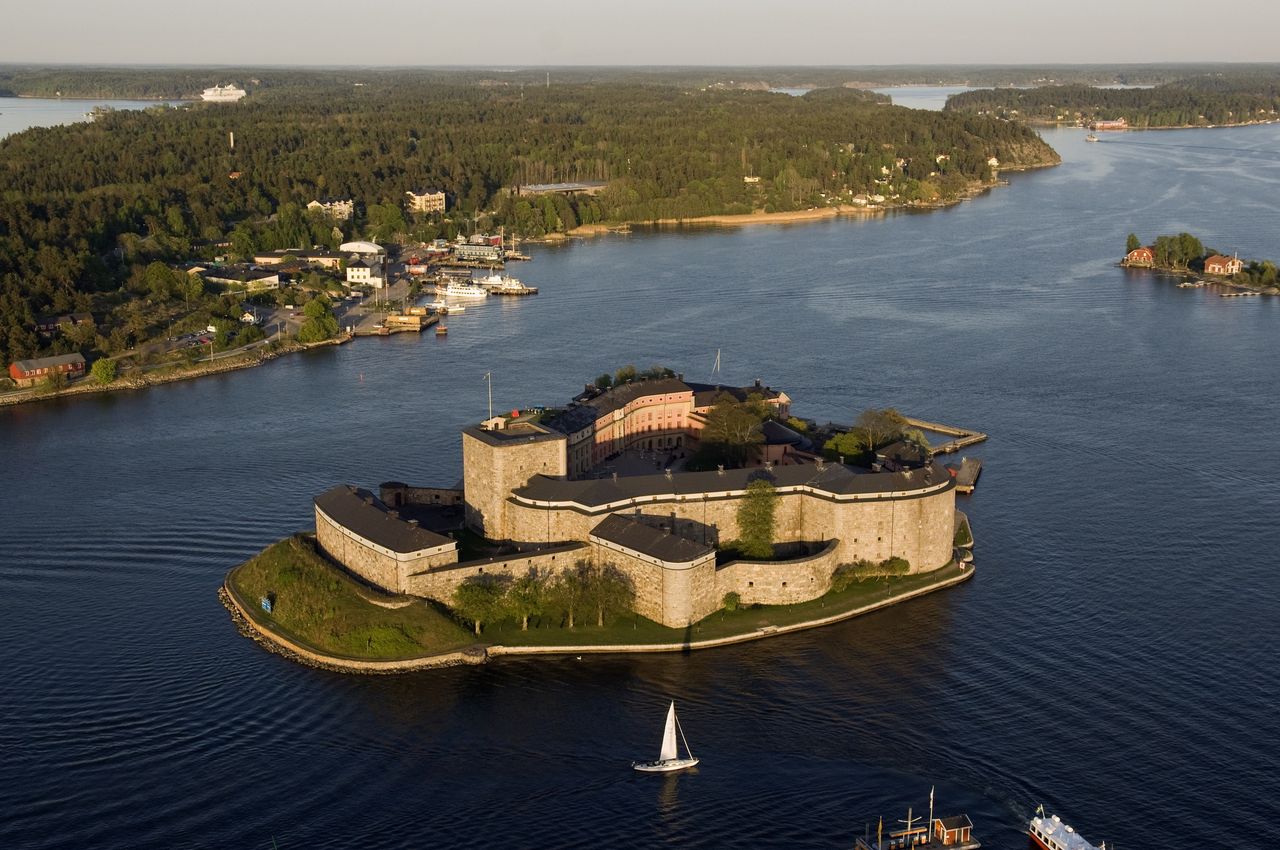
x=248 y=360
x=249 y=626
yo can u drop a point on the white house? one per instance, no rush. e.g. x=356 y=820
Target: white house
x=426 y=201
x=339 y=208
x=364 y=272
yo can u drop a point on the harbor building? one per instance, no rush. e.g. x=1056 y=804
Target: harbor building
x=663 y=528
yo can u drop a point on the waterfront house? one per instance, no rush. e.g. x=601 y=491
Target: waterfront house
x=1224 y=266
x=27 y=373
x=426 y=201
x=1143 y=257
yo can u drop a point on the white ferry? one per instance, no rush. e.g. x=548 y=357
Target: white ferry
x=223 y=94
x=454 y=288
x=1050 y=833
x=505 y=285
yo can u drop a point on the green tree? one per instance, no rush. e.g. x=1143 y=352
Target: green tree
x=320 y=324
x=731 y=434
x=612 y=592
x=624 y=375
x=103 y=370
x=570 y=590
x=480 y=599
x=1133 y=243
x=527 y=597
x=756 y=517
x=604 y=381
x=732 y=601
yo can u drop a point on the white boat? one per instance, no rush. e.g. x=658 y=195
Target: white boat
x=454 y=288
x=669 y=756
x=222 y=94
x=500 y=284
x=1051 y=833
x=1091 y=138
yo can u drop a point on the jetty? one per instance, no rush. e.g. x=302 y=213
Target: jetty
x=963 y=437
x=967 y=475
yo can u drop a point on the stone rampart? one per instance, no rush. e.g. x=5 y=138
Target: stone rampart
x=440 y=583
x=396 y=495
x=779 y=582
x=373 y=563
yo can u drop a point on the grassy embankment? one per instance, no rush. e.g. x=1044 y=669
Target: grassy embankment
x=318 y=606
x=323 y=609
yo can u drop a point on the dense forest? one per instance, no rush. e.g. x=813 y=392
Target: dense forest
x=1215 y=99
x=85 y=209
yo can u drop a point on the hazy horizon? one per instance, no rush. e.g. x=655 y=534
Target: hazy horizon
x=748 y=33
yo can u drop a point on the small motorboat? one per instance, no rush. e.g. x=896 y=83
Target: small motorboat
x=669 y=756
x=441 y=330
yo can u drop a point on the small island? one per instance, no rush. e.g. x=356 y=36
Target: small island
x=650 y=514
x=1186 y=256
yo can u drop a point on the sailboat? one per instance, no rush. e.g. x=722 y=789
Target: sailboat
x=669 y=757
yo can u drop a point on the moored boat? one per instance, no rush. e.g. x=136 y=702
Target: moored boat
x=1051 y=833
x=501 y=284
x=954 y=832
x=454 y=288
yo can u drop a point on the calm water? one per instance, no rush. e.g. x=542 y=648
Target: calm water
x=1114 y=657
x=22 y=113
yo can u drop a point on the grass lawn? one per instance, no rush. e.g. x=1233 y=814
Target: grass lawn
x=319 y=606
x=634 y=629
x=964 y=536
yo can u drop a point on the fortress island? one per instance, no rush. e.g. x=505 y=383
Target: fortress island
x=616 y=485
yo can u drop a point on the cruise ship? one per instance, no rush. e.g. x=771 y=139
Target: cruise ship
x=1050 y=833
x=223 y=94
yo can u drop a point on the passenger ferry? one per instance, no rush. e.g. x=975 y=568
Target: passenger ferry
x=500 y=284
x=455 y=288
x=1050 y=833
x=222 y=94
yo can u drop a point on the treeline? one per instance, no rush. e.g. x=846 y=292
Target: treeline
x=598 y=591
x=186 y=82
x=81 y=206
x=1196 y=101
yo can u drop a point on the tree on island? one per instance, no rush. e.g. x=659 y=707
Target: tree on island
x=1132 y=244
x=731 y=434
x=570 y=590
x=526 y=597
x=611 y=590
x=480 y=599
x=756 y=519
x=1177 y=251
x=873 y=429
x=732 y=600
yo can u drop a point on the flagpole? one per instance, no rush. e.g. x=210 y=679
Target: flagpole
x=930 y=812
x=488 y=376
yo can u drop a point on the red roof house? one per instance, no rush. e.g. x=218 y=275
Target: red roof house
x=1140 y=257
x=1226 y=266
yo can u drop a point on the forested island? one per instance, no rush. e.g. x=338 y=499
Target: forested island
x=1185 y=254
x=1199 y=101
x=93 y=213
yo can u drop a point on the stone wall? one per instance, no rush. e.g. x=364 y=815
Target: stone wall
x=440 y=583
x=375 y=564
x=394 y=494
x=919 y=528
x=674 y=595
x=779 y=582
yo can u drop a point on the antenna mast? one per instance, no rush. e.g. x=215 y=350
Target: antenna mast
x=488 y=376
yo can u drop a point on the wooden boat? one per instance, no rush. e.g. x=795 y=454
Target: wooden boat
x=669 y=756
x=441 y=330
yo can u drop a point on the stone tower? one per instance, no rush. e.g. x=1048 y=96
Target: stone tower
x=497 y=461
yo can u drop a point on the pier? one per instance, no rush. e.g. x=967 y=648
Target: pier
x=967 y=477
x=963 y=437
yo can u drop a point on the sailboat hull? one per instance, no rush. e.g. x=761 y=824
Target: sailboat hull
x=665 y=765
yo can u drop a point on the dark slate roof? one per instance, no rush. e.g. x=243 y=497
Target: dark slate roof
x=648 y=540
x=777 y=434
x=619 y=397
x=49 y=362
x=705 y=395
x=834 y=478
x=955 y=822
x=572 y=419
x=362 y=513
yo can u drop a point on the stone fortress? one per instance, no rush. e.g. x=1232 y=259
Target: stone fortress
x=561 y=487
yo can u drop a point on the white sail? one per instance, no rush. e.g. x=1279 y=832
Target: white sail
x=669 y=735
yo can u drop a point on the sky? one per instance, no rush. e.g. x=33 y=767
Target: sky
x=637 y=32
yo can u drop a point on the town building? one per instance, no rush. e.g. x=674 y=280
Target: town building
x=362 y=247
x=1224 y=266
x=1143 y=257
x=322 y=257
x=478 y=253
x=27 y=373
x=55 y=324
x=366 y=272
x=426 y=201
x=1117 y=124
x=660 y=528
x=337 y=208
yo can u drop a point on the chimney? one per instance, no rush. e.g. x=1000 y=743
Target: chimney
x=842 y=460
x=413 y=522
x=720 y=469
x=615 y=478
